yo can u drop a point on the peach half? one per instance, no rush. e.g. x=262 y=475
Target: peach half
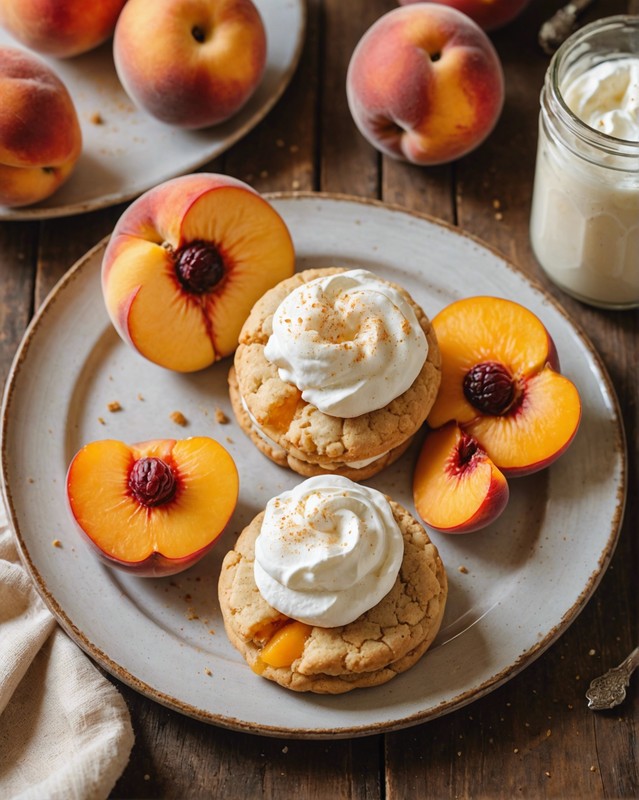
x=501 y=383
x=456 y=487
x=185 y=264
x=154 y=508
x=503 y=410
x=40 y=136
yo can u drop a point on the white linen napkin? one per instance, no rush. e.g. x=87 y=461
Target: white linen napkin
x=65 y=730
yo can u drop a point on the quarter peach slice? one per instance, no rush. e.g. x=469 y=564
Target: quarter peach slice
x=456 y=486
x=154 y=508
x=501 y=383
x=185 y=264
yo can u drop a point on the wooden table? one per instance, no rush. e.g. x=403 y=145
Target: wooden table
x=534 y=736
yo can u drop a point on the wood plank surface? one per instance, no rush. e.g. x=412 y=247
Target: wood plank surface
x=533 y=737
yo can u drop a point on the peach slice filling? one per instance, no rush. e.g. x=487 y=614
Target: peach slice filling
x=284 y=647
x=165 y=498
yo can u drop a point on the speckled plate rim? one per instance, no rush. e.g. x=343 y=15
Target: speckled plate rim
x=342 y=731
x=233 y=130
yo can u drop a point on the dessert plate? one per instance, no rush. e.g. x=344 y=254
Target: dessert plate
x=514 y=587
x=126 y=151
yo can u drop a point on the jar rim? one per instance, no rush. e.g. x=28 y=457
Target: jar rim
x=578 y=127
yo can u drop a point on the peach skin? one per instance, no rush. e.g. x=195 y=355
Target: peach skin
x=185 y=264
x=456 y=486
x=154 y=508
x=60 y=28
x=40 y=136
x=488 y=14
x=190 y=63
x=425 y=84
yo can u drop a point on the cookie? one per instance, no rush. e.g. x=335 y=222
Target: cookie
x=381 y=643
x=295 y=433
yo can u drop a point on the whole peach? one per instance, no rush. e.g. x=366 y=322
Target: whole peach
x=488 y=14
x=40 y=137
x=190 y=63
x=60 y=28
x=425 y=84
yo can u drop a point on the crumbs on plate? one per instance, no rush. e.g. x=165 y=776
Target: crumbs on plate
x=179 y=418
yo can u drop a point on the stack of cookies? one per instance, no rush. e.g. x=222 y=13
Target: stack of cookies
x=335 y=372
x=333 y=586
x=353 y=633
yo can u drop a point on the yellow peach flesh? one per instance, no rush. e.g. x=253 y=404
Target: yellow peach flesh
x=167 y=323
x=481 y=329
x=448 y=496
x=143 y=282
x=286 y=645
x=129 y=532
x=257 y=251
x=537 y=432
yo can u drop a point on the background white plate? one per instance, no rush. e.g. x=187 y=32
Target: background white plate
x=529 y=574
x=130 y=151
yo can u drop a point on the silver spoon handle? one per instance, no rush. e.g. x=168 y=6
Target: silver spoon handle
x=609 y=689
x=630 y=664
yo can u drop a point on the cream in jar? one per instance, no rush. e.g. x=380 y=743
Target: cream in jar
x=585 y=209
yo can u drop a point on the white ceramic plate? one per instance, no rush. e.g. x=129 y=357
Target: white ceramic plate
x=528 y=575
x=130 y=151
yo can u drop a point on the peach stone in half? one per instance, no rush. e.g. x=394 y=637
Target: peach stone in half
x=154 y=508
x=185 y=264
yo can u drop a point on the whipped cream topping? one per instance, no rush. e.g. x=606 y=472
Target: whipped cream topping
x=328 y=551
x=349 y=342
x=606 y=97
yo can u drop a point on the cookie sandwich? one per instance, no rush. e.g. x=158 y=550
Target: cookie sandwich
x=332 y=587
x=335 y=371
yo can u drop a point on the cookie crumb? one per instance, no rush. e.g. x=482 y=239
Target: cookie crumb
x=140 y=398
x=114 y=406
x=547 y=774
x=56 y=543
x=496 y=204
x=96 y=118
x=207 y=671
x=463 y=569
x=179 y=418
x=499 y=216
x=221 y=417
x=285 y=749
x=229 y=440
x=516 y=750
x=101 y=420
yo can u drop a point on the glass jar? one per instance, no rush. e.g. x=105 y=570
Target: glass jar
x=584 y=225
